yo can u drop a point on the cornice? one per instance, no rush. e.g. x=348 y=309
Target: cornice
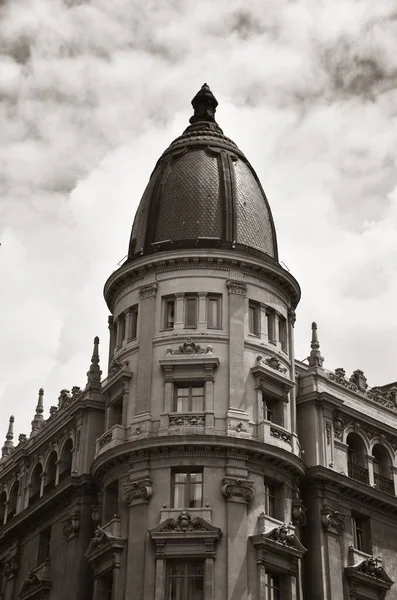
x=194 y=446
x=262 y=267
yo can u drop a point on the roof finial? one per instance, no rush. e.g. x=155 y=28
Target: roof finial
x=315 y=359
x=94 y=372
x=204 y=104
x=38 y=420
x=8 y=444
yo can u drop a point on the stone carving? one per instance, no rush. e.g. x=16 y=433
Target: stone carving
x=189 y=347
x=298 y=512
x=332 y=520
x=71 y=525
x=116 y=366
x=31 y=581
x=10 y=567
x=359 y=379
x=339 y=425
x=184 y=522
x=357 y=383
x=238 y=489
x=370 y=567
x=148 y=291
x=137 y=492
x=99 y=540
x=291 y=316
x=275 y=364
x=328 y=432
x=105 y=439
x=236 y=287
x=282 y=535
x=240 y=428
x=280 y=434
x=189 y=420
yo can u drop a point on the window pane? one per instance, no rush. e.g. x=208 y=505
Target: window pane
x=197 y=399
x=196 y=490
x=182 y=399
x=271 y=326
x=169 y=314
x=134 y=323
x=179 y=495
x=213 y=313
x=191 y=312
x=185 y=581
x=251 y=319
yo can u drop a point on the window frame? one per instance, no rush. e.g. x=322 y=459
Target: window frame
x=254 y=308
x=270 y=499
x=218 y=299
x=272 y=585
x=360 y=529
x=188 y=385
x=169 y=299
x=283 y=333
x=134 y=315
x=190 y=297
x=187 y=495
x=271 y=325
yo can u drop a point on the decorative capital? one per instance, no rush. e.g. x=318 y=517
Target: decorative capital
x=332 y=520
x=148 y=291
x=291 y=316
x=236 y=287
x=138 y=492
x=238 y=490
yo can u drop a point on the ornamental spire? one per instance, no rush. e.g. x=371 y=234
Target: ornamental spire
x=315 y=359
x=8 y=444
x=38 y=419
x=204 y=104
x=94 y=372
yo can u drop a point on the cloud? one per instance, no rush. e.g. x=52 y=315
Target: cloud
x=91 y=92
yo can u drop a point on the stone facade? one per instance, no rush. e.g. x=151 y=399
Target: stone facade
x=208 y=464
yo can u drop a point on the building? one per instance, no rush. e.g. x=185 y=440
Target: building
x=209 y=464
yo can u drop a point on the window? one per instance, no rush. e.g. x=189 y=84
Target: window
x=187 y=489
x=270 y=500
x=214 y=311
x=271 y=325
x=360 y=533
x=169 y=312
x=51 y=471
x=185 y=580
x=116 y=413
x=272 y=585
x=133 y=323
x=66 y=459
x=44 y=546
x=189 y=398
x=268 y=408
x=35 y=484
x=191 y=311
x=111 y=501
x=12 y=509
x=253 y=318
x=282 y=326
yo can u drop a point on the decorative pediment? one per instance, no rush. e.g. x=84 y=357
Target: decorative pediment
x=368 y=579
x=189 y=354
x=104 y=549
x=99 y=542
x=272 y=376
x=281 y=535
x=184 y=524
x=278 y=547
x=190 y=347
x=38 y=583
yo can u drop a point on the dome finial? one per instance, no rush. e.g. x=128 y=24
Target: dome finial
x=315 y=359
x=94 y=373
x=38 y=419
x=204 y=104
x=8 y=444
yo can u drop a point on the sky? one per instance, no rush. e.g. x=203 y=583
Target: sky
x=92 y=92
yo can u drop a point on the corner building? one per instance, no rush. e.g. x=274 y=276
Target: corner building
x=209 y=464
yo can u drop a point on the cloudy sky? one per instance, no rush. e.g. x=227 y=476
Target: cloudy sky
x=91 y=92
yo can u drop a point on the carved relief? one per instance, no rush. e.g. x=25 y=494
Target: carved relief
x=298 y=512
x=238 y=489
x=105 y=439
x=148 y=291
x=358 y=384
x=328 y=432
x=185 y=522
x=186 y=420
x=236 y=287
x=138 y=492
x=189 y=347
x=99 y=540
x=279 y=434
x=332 y=520
x=71 y=525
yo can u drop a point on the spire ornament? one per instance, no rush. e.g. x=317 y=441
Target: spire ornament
x=8 y=444
x=38 y=420
x=204 y=104
x=94 y=372
x=315 y=359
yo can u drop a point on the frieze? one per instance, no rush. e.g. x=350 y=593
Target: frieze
x=148 y=291
x=138 y=492
x=238 y=490
x=186 y=420
x=341 y=423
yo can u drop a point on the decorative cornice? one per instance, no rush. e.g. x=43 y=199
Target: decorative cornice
x=357 y=384
x=138 y=492
x=148 y=291
x=236 y=287
x=238 y=490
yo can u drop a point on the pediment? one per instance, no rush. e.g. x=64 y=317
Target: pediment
x=369 y=574
x=279 y=541
x=37 y=584
x=185 y=525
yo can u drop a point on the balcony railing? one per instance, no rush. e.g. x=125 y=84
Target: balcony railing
x=384 y=484
x=357 y=472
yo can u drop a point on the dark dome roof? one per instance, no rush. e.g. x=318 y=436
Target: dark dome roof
x=203 y=192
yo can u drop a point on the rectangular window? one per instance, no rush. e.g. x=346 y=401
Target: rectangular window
x=44 y=546
x=189 y=398
x=360 y=533
x=169 y=312
x=214 y=312
x=282 y=326
x=270 y=500
x=191 y=311
x=111 y=501
x=272 y=584
x=253 y=318
x=271 y=409
x=271 y=325
x=134 y=322
x=187 y=489
x=185 y=580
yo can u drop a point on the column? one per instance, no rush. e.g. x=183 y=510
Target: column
x=111 y=337
x=43 y=476
x=292 y=394
x=6 y=510
x=100 y=589
x=58 y=470
x=370 y=463
x=179 y=311
x=160 y=578
x=145 y=356
x=202 y=311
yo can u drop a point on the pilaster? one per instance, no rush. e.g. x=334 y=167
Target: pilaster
x=145 y=356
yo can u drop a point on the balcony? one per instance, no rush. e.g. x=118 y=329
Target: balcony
x=357 y=472
x=114 y=437
x=384 y=484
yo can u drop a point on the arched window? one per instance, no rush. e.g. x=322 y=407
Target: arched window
x=382 y=469
x=13 y=500
x=3 y=498
x=35 y=484
x=356 y=461
x=66 y=459
x=51 y=471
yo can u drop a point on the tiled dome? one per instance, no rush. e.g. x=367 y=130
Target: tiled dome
x=203 y=192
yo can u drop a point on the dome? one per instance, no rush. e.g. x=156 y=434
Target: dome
x=203 y=193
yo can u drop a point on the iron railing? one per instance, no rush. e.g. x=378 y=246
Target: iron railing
x=384 y=484
x=357 y=472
